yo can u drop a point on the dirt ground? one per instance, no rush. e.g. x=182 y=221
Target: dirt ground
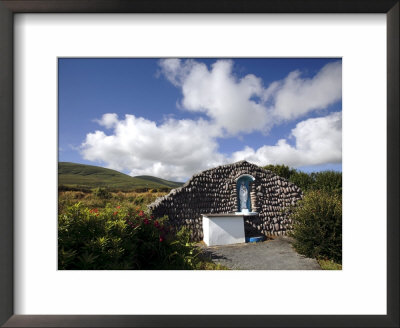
x=273 y=254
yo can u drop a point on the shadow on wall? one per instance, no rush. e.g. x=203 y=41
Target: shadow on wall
x=250 y=230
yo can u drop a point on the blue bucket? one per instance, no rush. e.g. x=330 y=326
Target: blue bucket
x=254 y=239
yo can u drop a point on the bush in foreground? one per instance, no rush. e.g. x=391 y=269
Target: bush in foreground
x=317 y=226
x=121 y=238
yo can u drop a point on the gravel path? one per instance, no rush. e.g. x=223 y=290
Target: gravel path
x=276 y=254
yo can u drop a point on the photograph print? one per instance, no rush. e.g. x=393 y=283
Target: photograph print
x=199 y=164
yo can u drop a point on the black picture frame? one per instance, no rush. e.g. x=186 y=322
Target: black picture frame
x=7 y=10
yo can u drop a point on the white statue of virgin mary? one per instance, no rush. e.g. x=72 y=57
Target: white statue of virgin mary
x=243 y=195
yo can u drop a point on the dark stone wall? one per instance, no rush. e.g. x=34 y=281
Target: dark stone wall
x=214 y=191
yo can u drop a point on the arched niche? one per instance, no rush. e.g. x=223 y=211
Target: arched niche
x=247 y=180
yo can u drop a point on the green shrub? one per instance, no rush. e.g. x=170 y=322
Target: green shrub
x=139 y=200
x=329 y=265
x=74 y=188
x=281 y=170
x=303 y=180
x=120 y=238
x=102 y=193
x=119 y=196
x=329 y=181
x=317 y=226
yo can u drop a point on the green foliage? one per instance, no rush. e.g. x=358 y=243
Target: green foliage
x=76 y=188
x=317 y=219
x=329 y=265
x=139 y=200
x=121 y=237
x=329 y=181
x=102 y=193
x=317 y=225
x=281 y=170
x=303 y=180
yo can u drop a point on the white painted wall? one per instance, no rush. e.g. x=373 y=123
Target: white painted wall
x=223 y=230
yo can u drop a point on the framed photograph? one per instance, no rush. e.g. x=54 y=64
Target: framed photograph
x=42 y=41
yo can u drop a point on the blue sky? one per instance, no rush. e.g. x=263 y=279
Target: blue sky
x=172 y=117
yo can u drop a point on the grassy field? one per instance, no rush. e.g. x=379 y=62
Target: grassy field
x=90 y=200
x=89 y=176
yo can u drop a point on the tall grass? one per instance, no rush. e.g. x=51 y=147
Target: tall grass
x=93 y=200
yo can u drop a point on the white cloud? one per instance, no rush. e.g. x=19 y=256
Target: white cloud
x=244 y=105
x=108 y=120
x=295 y=96
x=173 y=150
x=318 y=141
x=176 y=149
x=225 y=99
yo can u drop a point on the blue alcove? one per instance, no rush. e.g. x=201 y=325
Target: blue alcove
x=246 y=179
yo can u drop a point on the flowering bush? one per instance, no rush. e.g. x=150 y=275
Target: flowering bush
x=317 y=225
x=120 y=237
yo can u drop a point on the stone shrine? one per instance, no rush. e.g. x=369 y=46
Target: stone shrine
x=230 y=196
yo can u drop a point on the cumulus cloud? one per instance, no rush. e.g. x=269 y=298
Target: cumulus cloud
x=245 y=105
x=177 y=149
x=318 y=141
x=226 y=100
x=295 y=96
x=172 y=150
x=233 y=107
x=108 y=120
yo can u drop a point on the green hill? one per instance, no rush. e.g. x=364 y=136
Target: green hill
x=159 y=180
x=89 y=176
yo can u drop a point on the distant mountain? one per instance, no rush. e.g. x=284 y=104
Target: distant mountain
x=90 y=176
